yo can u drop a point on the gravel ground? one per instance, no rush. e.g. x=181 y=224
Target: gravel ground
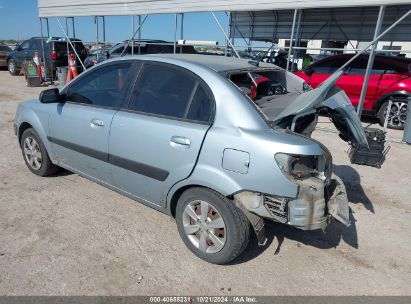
x=65 y=235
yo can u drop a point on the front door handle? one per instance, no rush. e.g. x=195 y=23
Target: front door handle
x=180 y=142
x=97 y=122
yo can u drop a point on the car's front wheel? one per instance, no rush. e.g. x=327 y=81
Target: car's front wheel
x=397 y=115
x=12 y=67
x=211 y=226
x=35 y=154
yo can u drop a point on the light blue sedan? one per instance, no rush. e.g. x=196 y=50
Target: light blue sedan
x=220 y=144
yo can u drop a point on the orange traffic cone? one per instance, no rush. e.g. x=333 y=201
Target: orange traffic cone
x=72 y=70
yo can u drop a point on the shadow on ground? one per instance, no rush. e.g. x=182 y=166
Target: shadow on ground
x=61 y=172
x=330 y=238
x=352 y=181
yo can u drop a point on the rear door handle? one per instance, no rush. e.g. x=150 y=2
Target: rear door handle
x=180 y=142
x=97 y=122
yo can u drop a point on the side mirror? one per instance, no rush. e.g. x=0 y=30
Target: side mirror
x=18 y=47
x=308 y=71
x=50 y=96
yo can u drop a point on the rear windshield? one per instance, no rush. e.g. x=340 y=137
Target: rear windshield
x=61 y=47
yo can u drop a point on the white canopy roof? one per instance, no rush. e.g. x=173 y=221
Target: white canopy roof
x=72 y=8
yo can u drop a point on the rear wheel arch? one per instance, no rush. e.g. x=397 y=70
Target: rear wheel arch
x=177 y=194
x=397 y=94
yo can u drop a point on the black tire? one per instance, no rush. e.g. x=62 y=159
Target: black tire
x=46 y=166
x=237 y=225
x=12 y=67
x=382 y=110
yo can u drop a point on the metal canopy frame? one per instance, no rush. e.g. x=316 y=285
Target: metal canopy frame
x=229 y=38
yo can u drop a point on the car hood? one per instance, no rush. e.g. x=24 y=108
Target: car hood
x=339 y=107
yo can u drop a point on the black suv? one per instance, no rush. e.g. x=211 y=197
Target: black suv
x=55 y=50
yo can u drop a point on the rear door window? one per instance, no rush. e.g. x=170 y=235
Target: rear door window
x=171 y=92
x=201 y=106
x=104 y=87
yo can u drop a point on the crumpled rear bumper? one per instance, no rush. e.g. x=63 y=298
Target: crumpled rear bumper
x=338 y=201
x=313 y=208
x=316 y=204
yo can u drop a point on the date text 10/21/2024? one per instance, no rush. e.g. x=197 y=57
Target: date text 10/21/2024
x=204 y=299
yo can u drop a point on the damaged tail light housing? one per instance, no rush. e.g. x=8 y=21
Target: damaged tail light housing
x=300 y=167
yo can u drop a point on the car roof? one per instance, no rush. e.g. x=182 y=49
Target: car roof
x=57 y=39
x=216 y=63
x=377 y=56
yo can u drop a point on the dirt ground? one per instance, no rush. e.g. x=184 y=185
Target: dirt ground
x=65 y=235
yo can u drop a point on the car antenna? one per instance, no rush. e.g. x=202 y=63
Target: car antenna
x=257 y=62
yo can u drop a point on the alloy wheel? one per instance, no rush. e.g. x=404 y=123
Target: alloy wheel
x=204 y=226
x=32 y=153
x=397 y=115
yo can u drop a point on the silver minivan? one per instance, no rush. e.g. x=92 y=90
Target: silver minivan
x=221 y=144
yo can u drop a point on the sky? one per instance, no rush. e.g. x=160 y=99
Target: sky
x=19 y=20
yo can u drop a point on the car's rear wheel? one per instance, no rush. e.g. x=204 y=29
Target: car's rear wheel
x=211 y=226
x=35 y=154
x=397 y=115
x=12 y=67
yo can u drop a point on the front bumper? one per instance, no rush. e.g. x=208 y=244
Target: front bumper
x=313 y=208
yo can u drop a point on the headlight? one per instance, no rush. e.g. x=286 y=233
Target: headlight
x=299 y=167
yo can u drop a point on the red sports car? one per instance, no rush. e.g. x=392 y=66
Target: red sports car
x=390 y=79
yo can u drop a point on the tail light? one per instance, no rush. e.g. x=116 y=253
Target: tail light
x=53 y=55
x=299 y=167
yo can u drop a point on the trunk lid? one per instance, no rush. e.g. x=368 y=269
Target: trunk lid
x=337 y=104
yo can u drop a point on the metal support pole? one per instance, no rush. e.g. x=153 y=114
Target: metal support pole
x=68 y=53
x=291 y=39
x=175 y=33
x=74 y=49
x=387 y=115
x=48 y=28
x=43 y=52
x=74 y=30
x=370 y=61
x=96 y=22
x=233 y=29
x=132 y=31
x=230 y=22
x=135 y=33
x=67 y=26
x=139 y=35
x=67 y=44
x=104 y=32
x=225 y=35
x=181 y=31
x=232 y=46
x=297 y=39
